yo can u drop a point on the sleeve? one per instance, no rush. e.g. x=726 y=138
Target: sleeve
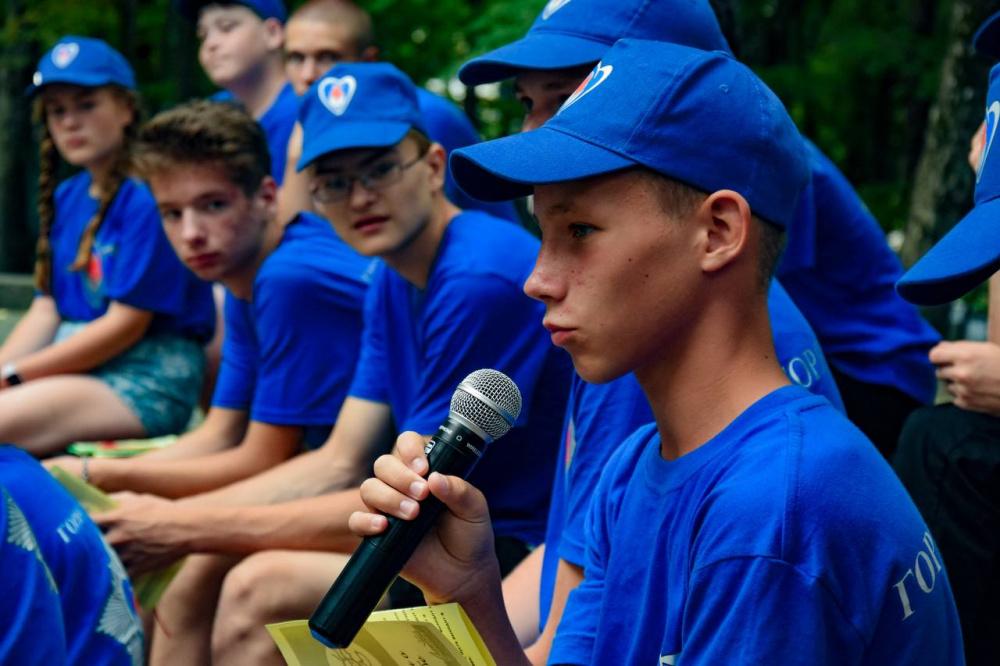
x=473 y=322
x=372 y=370
x=603 y=418
x=308 y=333
x=756 y=610
x=146 y=273
x=234 y=387
x=30 y=611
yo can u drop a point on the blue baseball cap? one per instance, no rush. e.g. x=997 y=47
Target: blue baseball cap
x=82 y=61
x=571 y=33
x=265 y=9
x=987 y=37
x=970 y=252
x=699 y=117
x=357 y=105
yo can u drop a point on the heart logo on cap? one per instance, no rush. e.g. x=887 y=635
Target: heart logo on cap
x=64 y=54
x=336 y=93
x=594 y=79
x=992 y=116
x=552 y=7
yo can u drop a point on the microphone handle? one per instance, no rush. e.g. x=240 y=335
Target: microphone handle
x=454 y=450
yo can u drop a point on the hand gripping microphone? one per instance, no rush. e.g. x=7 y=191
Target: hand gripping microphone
x=483 y=408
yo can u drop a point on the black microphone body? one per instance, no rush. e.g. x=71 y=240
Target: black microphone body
x=453 y=450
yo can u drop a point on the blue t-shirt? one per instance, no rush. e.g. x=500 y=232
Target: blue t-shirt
x=99 y=618
x=447 y=125
x=600 y=417
x=785 y=539
x=419 y=344
x=289 y=355
x=277 y=122
x=131 y=262
x=840 y=271
x=30 y=613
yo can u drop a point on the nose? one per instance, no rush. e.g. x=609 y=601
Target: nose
x=311 y=71
x=360 y=197
x=544 y=284
x=192 y=231
x=532 y=120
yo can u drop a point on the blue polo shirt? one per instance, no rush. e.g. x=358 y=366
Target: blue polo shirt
x=131 y=263
x=602 y=416
x=419 y=344
x=785 y=539
x=99 y=620
x=842 y=274
x=288 y=355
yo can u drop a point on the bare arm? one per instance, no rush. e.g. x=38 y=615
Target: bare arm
x=221 y=429
x=294 y=195
x=102 y=339
x=568 y=577
x=521 y=594
x=993 y=312
x=362 y=428
x=34 y=330
x=264 y=446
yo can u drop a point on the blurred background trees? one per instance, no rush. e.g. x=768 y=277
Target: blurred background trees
x=891 y=90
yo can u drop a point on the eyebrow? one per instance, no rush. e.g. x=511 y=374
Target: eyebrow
x=559 y=208
x=365 y=162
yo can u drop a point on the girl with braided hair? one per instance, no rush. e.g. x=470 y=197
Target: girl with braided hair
x=111 y=346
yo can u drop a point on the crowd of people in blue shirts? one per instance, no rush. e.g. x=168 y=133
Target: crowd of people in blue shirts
x=727 y=451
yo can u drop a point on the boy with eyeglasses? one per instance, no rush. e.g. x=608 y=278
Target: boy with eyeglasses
x=446 y=302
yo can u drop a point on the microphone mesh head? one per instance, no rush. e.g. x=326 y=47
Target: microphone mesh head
x=493 y=387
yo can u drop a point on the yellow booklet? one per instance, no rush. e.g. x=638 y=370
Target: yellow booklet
x=148 y=587
x=428 y=635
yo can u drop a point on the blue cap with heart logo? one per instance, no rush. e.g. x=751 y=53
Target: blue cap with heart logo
x=357 y=105
x=82 y=61
x=265 y=9
x=969 y=253
x=699 y=117
x=571 y=33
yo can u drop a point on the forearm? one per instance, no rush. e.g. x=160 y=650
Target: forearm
x=307 y=475
x=101 y=340
x=993 y=327
x=485 y=608
x=33 y=331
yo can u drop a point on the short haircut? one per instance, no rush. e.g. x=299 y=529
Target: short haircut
x=357 y=20
x=203 y=132
x=678 y=199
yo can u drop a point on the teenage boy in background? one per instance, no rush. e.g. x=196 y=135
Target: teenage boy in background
x=378 y=178
x=321 y=33
x=240 y=49
x=837 y=268
x=600 y=417
x=724 y=533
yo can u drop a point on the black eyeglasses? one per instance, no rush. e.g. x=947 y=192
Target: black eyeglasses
x=332 y=188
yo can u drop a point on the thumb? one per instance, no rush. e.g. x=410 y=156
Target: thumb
x=463 y=499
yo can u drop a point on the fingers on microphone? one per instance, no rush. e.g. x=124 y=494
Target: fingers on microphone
x=393 y=472
x=367 y=524
x=462 y=498
x=410 y=449
x=380 y=497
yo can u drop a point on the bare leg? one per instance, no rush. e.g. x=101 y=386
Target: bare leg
x=272 y=586
x=46 y=415
x=184 y=616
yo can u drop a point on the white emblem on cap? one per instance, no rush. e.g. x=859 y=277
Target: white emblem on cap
x=36 y=80
x=598 y=76
x=64 y=54
x=552 y=7
x=992 y=116
x=336 y=93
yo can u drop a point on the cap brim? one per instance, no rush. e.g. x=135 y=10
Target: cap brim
x=510 y=167
x=351 y=135
x=987 y=38
x=76 y=80
x=965 y=257
x=538 y=50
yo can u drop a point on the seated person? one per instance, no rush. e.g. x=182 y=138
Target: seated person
x=724 y=532
x=949 y=456
x=839 y=269
x=111 y=346
x=98 y=621
x=448 y=301
x=293 y=309
x=321 y=33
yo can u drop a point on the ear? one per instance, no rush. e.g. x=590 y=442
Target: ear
x=267 y=196
x=274 y=34
x=726 y=216
x=437 y=160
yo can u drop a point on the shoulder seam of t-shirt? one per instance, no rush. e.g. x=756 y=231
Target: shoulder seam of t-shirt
x=821 y=582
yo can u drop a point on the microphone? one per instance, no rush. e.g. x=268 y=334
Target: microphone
x=483 y=408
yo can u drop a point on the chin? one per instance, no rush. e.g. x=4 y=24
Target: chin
x=596 y=371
